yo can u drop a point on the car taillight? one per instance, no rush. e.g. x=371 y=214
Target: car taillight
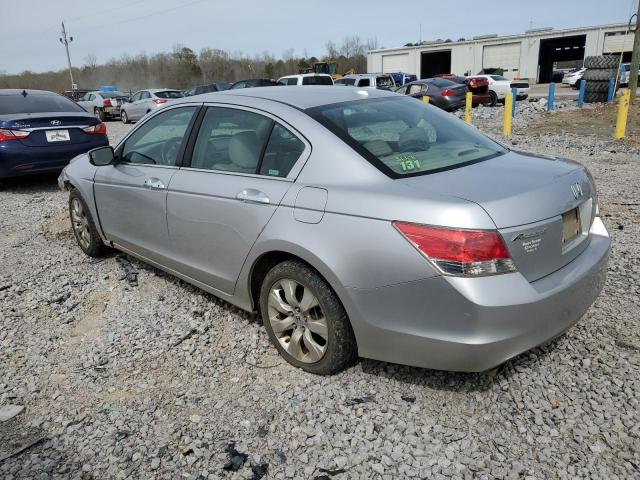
x=472 y=83
x=448 y=93
x=159 y=101
x=106 y=103
x=6 y=134
x=459 y=252
x=96 y=129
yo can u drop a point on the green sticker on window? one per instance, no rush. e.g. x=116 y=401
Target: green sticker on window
x=408 y=163
x=274 y=172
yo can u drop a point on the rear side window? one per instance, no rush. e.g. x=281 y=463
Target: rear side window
x=402 y=137
x=282 y=152
x=231 y=140
x=345 y=81
x=169 y=94
x=317 y=80
x=34 y=103
x=158 y=141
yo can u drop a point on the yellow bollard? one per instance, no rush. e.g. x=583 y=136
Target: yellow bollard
x=467 y=108
x=623 y=110
x=425 y=99
x=508 y=106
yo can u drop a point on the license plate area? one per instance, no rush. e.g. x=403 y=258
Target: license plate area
x=570 y=226
x=57 y=135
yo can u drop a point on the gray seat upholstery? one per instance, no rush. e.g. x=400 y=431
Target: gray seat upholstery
x=244 y=153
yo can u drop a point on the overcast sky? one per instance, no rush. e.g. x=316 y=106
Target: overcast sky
x=29 y=29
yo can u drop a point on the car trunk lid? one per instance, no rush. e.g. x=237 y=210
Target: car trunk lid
x=542 y=206
x=47 y=129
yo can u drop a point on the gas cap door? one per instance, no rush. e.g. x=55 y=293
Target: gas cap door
x=310 y=205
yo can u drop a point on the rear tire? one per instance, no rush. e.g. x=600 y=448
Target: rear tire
x=99 y=113
x=318 y=339
x=84 y=229
x=493 y=98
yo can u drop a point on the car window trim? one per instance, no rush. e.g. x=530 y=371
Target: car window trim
x=179 y=159
x=295 y=169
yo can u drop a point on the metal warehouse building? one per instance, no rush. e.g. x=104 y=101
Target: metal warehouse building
x=530 y=55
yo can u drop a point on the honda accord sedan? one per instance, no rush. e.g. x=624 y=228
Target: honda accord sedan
x=41 y=131
x=357 y=222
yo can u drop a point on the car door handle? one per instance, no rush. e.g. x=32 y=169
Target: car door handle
x=154 y=184
x=252 y=195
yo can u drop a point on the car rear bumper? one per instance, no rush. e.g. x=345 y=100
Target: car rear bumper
x=481 y=98
x=17 y=159
x=474 y=324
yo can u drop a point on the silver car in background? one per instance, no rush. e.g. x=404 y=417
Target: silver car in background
x=145 y=101
x=357 y=222
x=103 y=105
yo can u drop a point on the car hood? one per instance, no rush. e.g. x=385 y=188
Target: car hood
x=514 y=189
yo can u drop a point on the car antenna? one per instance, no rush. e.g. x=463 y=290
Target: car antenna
x=24 y=93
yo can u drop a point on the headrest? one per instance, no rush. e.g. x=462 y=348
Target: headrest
x=244 y=149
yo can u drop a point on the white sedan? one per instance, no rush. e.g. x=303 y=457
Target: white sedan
x=573 y=78
x=499 y=86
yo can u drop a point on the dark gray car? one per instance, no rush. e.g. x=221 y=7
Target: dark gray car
x=442 y=93
x=356 y=221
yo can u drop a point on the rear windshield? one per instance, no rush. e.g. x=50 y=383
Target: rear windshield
x=384 y=82
x=441 y=82
x=34 y=103
x=345 y=81
x=112 y=94
x=499 y=78
x=403 y=137
x=169 y=94
x=317 y=80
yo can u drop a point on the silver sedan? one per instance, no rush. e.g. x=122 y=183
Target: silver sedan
x=357 y=222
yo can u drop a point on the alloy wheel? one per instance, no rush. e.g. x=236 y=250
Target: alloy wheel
x=297 y=320
x=80 y=223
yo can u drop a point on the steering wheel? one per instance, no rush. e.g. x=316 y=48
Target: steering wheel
x=170 y=150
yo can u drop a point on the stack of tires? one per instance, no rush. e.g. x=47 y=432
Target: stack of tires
x=600 y=70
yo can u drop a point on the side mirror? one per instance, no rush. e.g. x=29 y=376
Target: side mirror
x=102 y=156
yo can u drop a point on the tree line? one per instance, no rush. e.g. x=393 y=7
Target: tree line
x=183 y=68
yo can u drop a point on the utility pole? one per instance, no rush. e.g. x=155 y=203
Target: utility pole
x=635 y=56
x=65 y=41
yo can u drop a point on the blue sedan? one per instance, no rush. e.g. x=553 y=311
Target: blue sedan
x=42 y=131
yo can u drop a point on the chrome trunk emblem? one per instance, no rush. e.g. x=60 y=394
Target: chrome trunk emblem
x=56 y=122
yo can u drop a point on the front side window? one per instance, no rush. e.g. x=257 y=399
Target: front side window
x=402 y=137
x=364 y=82
x=233 y=140
x=145 y=95
x=158 y=141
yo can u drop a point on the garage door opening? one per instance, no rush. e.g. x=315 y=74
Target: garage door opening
x=502 y=59
x=558 y=50
x=435 y=63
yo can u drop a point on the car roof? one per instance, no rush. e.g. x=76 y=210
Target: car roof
x=302 y=98
x=296 y=75
x=366 y=75
x=18 y=91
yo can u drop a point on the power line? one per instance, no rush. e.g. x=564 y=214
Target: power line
x=158 y=12
x=101 y=12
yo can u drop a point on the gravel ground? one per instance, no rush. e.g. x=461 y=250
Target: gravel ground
x=143 y=376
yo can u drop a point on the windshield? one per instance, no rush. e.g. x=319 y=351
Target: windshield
x=169 y=94
x=403 y=137
x=34 y=103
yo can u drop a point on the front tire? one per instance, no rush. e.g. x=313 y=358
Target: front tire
x=305 y=320
x=124 y=117
x=84 y=229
